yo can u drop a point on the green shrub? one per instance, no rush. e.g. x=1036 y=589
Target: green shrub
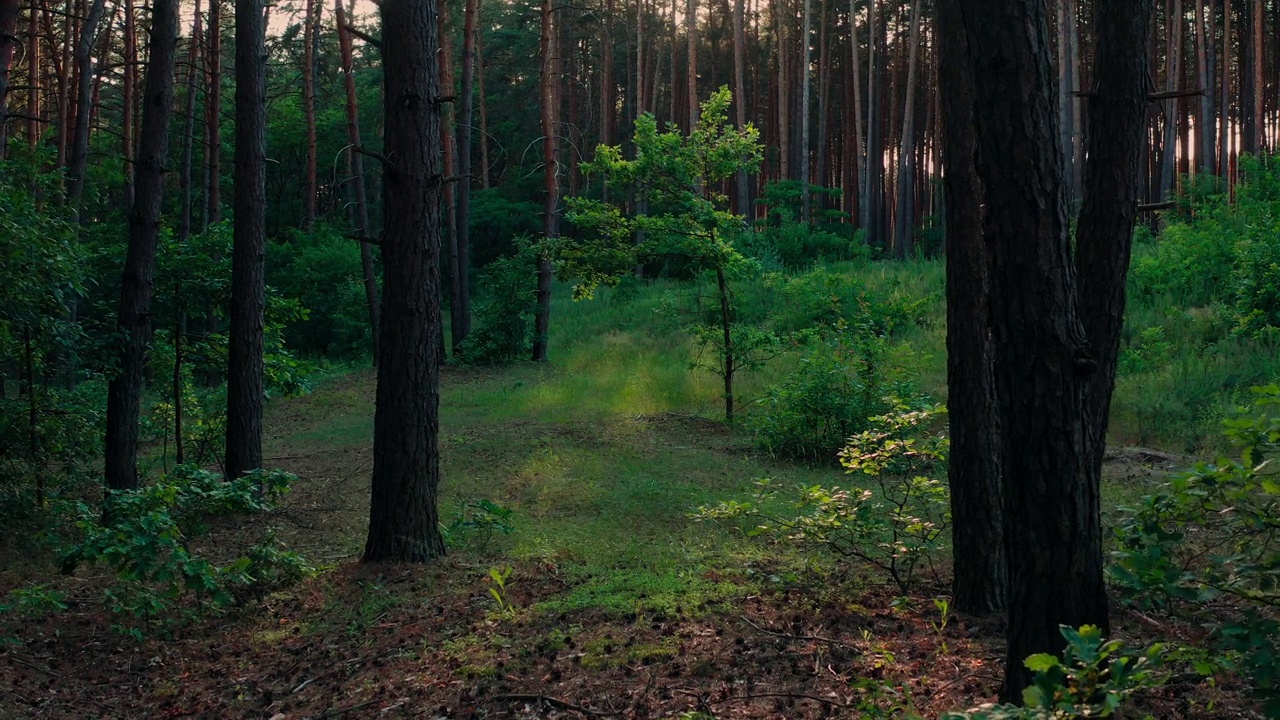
x=503 y=311
x=321 y=269
x=1209 y=534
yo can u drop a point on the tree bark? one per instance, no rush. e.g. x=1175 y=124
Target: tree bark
x=1204 y=120
x=129 y=99
x=35 y=75
x=977 y=511
x=805 y=209
x=1258 y=144
x=471 y=13
x=188 y=136
x=1173 y=66
x=904 y=225
x=8 y=28
x=84 y=90
x=245 y=353
x=213 y=115
x=311 y=17
x=743 y=195
x=551 y=178
x=691 y=35
x=449 y=151
x=1067 y=86
x=1224 y=109
x=873 y=190
x=859 y=153
x=124 y=393
x=403 y=515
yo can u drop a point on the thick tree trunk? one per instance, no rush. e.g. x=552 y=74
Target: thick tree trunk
x=977 y=509
x=551 y=177
x=355 y=162
x=8 y=38
x=124 y=393
x=310 y=22
x=467 y=106
x=904 y=223
x=403 y=515
x=245 y=353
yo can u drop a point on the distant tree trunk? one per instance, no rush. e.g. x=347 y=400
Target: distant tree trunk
x=904 y=224
x=1224 y=110
x=84 y=90
x=464 y=170
x=356 y=162
x=124 y=393
x=691 y=32
x=1258 y=144
x=8 y=28
x=1204 y=120
x=1173 y=67
x=213 y=115
x=784 y=96
x=550 y=173
x=973 y=471
x=860 y=154
x=245 y=353
x=823 y=153
x=608 y=88
x=484 y=113
x=35 y=71
x=449 y=151
x=740 y=99
x=129 y=97
x=403 y=515
x=873 y=190
x=805 y=201
x=310 y=21
x=188 y=135
x=1067 y=86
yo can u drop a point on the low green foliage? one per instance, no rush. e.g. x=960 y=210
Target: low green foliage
x=894 y=525
x=144 y=537
x=1210 y=534
x=477 y=522
x=1093 y=678
x=503 y=312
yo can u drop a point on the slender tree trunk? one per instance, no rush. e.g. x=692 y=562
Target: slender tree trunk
x=822 y=152
x=873 y=191
x=464 y=171
x=805 y=200
x=129 y=98
x=310 y=21
x=450 y=151
x=403 y=515
x=35 y=78
x=124 y=393
x=63 y=75
x=608 y=88
x=8 y=37
x=484 y=113
x=977 y=495
x=84 y=90
x=904 y=225
x=784 y=95
x=245 y=354
x=551 y=225
x=860 y=154
x=1173 y=66
x=213 y=115
x=1258 y=146
x=726 y=327
x=188 y=136
x=740 y=99
x=1204 y=120
x=1067 y=86
x=356 y=162
x=691 y=34
x=1224 y=110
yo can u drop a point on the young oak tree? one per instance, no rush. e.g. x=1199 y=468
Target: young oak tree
x=687 y=218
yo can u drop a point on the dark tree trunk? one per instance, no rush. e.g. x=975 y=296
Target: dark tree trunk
x=1204 y=120
x=550 y=172
x=188 y=135
x=403 y=517
x=309 y=25
x=35 y=73
x=8 y=28
x=805 y=200
x=904 y=223
x=124 y=394
x=740 y=100
x=859 y=139
x=691 y=35
x=356 y=163
x=213 y=115
x=84 y=90
x=130 y=93
x=1224 y=109
x=463 y=329
x=449 y=151
x=977 y=509
x=245 y=354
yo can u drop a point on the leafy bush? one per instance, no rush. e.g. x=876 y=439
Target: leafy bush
x=894 y=526
x=505 y=303
x=321 y=269
x=1092 y=679
x=144 y=537
x=1209 y=535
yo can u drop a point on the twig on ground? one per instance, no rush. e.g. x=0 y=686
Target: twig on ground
x=789 y=636
x=548 y=700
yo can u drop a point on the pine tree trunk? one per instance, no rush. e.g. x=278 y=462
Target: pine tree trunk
x=873 y=191
x=8 y=28
x=805 y=200
x=859 y=150
x=403 y=514
x=84 y=90
x=743 y=195
x=1173 y=64
x=467 y=106
x=311 y=17
x=904 y=224
x=189 y=131
x=691 y=34
x=449 y=150
x=128 y=101
x=124 y=393
x=1067 y=86
x=213 y=115
x=355 y=161
x=1258 y=146
x=550 y=173
x=1204 y=120
x=484 y=113
x=1224 y=108
x=35 y=77
x=973 y=471
x=245 y=352
x=822 y=152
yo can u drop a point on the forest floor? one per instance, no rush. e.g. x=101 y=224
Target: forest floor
x=618 y=604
